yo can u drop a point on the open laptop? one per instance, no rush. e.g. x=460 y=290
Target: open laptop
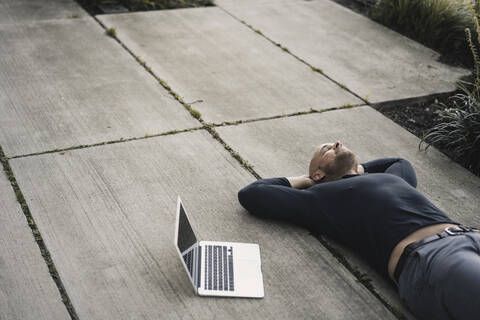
x=229 y=269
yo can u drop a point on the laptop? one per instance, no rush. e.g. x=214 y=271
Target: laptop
x=229 y=269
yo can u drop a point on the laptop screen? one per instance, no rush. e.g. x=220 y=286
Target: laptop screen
x=186 y=237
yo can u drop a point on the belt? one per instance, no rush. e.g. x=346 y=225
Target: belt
x=449 y=231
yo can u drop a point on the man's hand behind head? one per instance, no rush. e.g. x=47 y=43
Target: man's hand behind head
x=301 y=182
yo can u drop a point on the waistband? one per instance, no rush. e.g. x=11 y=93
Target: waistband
x=449 y=231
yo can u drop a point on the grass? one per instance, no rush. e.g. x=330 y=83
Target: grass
x=458 y=133
x=111 y=32
x=438 y=24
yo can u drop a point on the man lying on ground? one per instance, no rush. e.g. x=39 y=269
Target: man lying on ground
x=376 y=210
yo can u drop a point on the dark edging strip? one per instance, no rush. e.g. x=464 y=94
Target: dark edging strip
x=38 y=237
x=392 y=104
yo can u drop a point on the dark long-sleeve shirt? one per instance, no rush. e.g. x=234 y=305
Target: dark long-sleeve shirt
x=370 y=212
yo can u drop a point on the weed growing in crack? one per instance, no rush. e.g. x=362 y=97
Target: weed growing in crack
x=195 y=113
x=37 y=236
x=317 y=69
x=111 y=32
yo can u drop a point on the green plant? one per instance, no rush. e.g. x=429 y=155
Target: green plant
x=438 y=24
x=111 y=32
x=458 y=133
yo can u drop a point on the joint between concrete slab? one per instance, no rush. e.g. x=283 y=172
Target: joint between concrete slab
x=294 y=114
x=196 y=114
x=244 y=163
x=112 y=33
x=285 y=49
x=83 y=146
x=361 y=277
x=38 y=236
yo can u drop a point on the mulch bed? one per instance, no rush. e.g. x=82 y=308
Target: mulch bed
x=417 y=118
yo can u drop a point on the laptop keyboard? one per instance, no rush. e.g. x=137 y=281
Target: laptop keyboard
x=219 y=268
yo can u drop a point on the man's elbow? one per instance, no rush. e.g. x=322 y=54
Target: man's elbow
x=409 y=172
x=246 y=197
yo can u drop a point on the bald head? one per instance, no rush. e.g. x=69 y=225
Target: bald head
x=331 y=161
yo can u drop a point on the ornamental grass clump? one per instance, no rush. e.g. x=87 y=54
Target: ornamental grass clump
x=438 y=24
x=458 y=133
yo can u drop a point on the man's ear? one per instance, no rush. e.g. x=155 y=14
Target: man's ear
x=318 y=176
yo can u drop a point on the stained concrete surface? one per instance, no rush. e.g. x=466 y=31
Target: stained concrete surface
x=65 y=83
x=113 y=207
x=23 y=11
x=207 y=56
x=284 y=147
x=373 y=61
x=27 y=290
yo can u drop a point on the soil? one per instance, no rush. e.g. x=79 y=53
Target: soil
x=417 y=118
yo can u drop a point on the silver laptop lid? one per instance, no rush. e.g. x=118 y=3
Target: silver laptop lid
x=186 y=240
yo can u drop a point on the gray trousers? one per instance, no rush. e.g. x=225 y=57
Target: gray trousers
x=441 y=279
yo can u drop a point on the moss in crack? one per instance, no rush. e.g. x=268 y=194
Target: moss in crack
x=361 y=277
x=195 y=113
x=142 y=62
x=37 y=235
x=111 y=32
x=211 y=129
x=317 y=70
x=120 y=140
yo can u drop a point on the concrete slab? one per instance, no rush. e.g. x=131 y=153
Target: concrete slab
x=27 y=291
x=64 y=83
x=373 y=61
x=107 y=215
x=21 y=11
x=205 y=54
x=283 y=147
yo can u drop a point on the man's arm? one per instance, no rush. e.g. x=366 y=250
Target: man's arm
x=276 y=198
x=396 y=166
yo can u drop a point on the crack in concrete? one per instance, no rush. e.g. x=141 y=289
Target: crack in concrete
x=205 y=125
x=38 y=236
x=293 y=114
x=120 y=140
x=315 y=69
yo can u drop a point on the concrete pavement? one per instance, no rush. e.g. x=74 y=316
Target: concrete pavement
x=78 y=112
x=373 y=61
x=233 y=73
